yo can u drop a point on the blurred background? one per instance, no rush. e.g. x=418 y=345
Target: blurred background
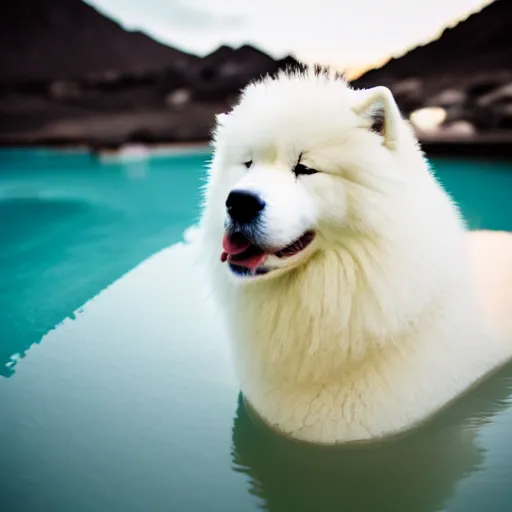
x=105 y=73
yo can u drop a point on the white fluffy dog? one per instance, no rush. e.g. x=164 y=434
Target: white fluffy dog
x=340 y=263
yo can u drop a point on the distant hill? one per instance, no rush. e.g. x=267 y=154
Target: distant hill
x=467 y=72
x=69 y=75
x=69 y=40
x=225 y=71
x=479 y=45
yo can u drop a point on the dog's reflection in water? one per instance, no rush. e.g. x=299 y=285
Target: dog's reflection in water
x=417 y=472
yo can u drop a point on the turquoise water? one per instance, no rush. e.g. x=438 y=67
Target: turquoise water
x=71 y=226
x=129 y=402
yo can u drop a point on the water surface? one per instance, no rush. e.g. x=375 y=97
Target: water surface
x=118 y=392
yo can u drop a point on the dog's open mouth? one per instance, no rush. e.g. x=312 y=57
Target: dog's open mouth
x=245 y=258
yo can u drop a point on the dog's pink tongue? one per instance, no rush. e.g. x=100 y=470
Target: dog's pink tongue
x=235 y=246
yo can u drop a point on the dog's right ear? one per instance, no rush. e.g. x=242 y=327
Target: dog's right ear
x=379 y=107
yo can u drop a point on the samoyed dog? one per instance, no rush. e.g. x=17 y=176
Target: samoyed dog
x=339 y=262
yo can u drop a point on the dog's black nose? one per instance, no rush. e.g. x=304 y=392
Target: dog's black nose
x=244 y=206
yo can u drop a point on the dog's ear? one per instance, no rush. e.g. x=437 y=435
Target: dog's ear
x=380 y=108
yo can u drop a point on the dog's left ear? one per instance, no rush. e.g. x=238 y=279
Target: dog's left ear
x=379 y=107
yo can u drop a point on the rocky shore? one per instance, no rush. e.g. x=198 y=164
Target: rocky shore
x=71 y=76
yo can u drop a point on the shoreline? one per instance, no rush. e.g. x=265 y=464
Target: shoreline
x=492 y=145
x=495 y=145
x=166 y=148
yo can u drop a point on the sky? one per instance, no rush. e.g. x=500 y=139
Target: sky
x=346 y=33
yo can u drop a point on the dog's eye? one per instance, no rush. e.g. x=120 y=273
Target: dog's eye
x=248 y=164
x=301 y=169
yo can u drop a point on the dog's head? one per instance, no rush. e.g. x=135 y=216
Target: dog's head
x=301 y=162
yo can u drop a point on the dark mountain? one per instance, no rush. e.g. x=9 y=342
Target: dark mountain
x=225 y=71
x=227 y=61
x=479 y=45
x=69 y=75
x=467 y=71
x=69 y=40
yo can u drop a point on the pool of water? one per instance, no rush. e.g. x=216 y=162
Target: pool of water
x=116 y=387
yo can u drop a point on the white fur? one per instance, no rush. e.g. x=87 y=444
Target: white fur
x=373 y=328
